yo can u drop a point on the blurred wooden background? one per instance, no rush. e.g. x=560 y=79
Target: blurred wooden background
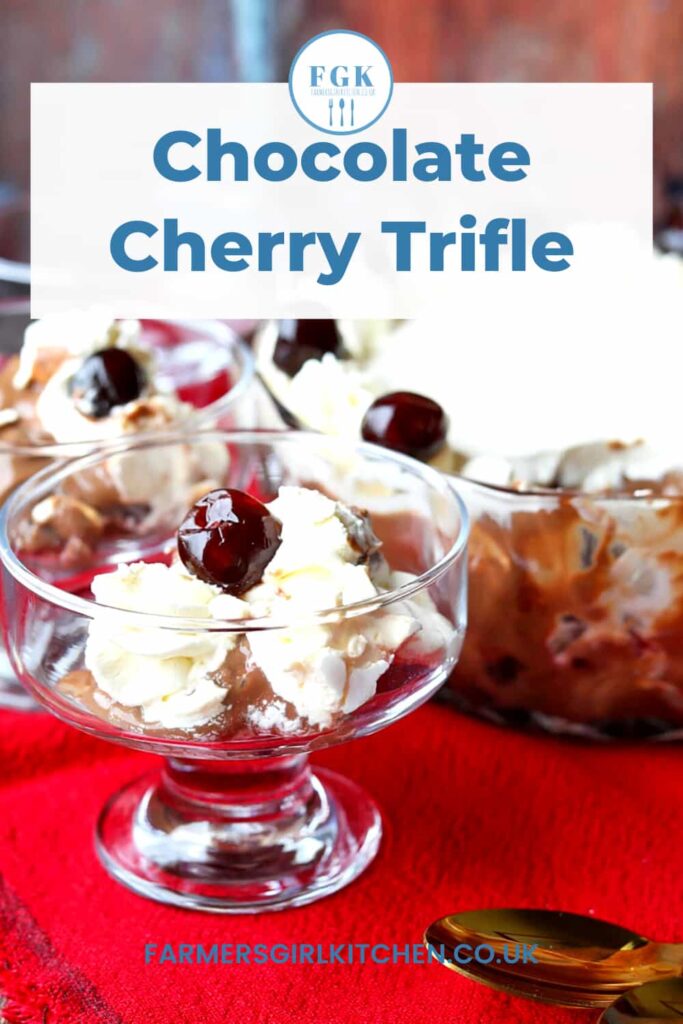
x=439 y=40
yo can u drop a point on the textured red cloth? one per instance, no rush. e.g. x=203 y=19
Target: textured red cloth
x=475 y=817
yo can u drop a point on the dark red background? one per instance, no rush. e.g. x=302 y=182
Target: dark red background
x=255 y=40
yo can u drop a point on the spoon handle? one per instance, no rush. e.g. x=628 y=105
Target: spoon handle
x=669 y=954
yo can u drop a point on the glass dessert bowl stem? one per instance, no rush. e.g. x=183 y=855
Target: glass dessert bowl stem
x=238 y=836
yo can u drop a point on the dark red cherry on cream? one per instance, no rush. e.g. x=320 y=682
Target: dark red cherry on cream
x=228 y=538
x=406 y=422
x=301 y=340
x=105 y=379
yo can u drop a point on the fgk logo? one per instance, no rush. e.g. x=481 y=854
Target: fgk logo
x=340 y=77
x=341 y=82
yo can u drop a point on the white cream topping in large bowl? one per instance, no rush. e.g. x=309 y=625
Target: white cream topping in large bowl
x=325 y=560
x=540 y=416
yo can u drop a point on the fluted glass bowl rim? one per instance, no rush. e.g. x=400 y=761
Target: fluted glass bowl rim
x=45 y=481
x=242 y=357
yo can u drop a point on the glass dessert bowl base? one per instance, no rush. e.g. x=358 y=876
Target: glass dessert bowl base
x=238 y=837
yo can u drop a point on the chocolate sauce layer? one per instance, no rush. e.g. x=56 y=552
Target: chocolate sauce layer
x=576 y=612
x=251 y=708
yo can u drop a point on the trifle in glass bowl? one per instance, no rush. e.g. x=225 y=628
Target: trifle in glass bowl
x=70 y=383
x=290 y=607
x=576 y=549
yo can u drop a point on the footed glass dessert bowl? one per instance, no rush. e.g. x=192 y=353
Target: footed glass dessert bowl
x=71 y=383
x=314 y=591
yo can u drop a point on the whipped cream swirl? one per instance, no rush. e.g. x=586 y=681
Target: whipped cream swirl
x=328 y=558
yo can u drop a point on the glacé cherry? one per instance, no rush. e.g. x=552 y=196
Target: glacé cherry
x=228 y=538
x=105 y=379
x=301 y=340
x=406 y=422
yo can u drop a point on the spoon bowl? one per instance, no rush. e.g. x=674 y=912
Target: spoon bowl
x=575 y=961
x=527 y=988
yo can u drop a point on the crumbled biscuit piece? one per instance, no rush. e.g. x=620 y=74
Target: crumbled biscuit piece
x=68 y=518
x=146 y=413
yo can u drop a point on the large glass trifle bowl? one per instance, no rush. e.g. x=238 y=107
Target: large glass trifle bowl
x=314 y=594
x=576 y=611
x=576 y=548
x=71 y=383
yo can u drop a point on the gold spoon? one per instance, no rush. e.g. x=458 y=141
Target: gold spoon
x=528 y=989
x=579 y=961
x=657 y=1001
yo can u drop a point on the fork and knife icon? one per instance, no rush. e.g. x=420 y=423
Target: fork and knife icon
x=342 y=105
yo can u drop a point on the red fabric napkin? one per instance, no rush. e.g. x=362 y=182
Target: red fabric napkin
x=475 y=817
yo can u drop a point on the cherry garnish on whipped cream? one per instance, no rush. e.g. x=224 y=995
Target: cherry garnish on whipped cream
x=105 y=379
x=406 y=422
x=228 y=538
x=301 y=340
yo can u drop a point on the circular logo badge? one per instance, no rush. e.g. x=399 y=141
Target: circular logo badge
x=341 y=82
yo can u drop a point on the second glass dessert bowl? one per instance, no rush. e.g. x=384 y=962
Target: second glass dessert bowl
x=184 y=373
x=316 y=594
